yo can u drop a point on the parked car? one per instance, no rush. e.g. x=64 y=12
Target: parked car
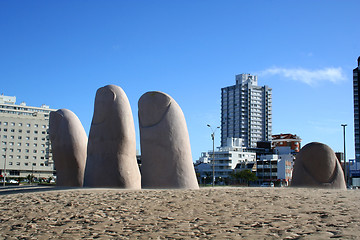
x=13 y=181
x=267 y=184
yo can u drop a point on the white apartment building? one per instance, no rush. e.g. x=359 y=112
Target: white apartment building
x=227 y=159
x=246 y=111
x=25 y=144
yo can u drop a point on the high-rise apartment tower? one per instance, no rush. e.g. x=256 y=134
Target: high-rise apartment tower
x=246 y=111
x=356 y=75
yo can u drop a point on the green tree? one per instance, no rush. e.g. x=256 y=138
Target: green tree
x=245 y=175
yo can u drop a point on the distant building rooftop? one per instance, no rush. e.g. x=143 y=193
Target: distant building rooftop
x=7 y=99
x=12 y=100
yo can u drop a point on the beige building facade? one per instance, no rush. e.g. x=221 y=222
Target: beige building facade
x=25 y=143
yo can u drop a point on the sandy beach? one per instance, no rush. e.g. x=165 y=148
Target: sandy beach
x=210 y=213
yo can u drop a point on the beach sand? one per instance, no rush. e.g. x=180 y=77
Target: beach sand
x=210 y=213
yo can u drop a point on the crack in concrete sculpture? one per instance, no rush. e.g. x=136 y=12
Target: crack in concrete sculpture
x=316 y=165
x=69 y=144
x=166 y=160
x=111 y=155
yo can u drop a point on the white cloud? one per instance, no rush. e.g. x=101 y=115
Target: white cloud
x=310 y=77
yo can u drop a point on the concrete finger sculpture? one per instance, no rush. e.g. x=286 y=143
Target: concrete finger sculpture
x=166 y=160
x=111 y=156
x=69 y=144
x=316 y=166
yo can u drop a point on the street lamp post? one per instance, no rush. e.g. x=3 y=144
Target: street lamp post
x=213 y=161
x=4 y=175
x=345 y=172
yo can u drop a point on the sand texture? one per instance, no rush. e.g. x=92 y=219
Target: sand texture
x=208 y=213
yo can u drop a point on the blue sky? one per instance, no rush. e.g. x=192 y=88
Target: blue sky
x=60 y=52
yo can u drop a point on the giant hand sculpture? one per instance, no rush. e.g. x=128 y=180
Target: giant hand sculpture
x=111 y=155
x=68 y=143
x=316 y=166
x=166 y=160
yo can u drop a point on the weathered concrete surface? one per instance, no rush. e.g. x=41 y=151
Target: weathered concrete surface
x=165 y=146
x=69 y=144
x=316 y=166
x=111 y=156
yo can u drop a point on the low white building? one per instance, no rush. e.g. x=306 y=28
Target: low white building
x=231 y=157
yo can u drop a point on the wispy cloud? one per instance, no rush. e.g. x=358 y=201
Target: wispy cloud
x=310 y=77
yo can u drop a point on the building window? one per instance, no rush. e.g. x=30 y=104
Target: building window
x=36 y=125
x=10 y=163
x=20 y=124
x=17 y=163
x=14 y=172
x=34 y=164
x=26 y=164
x=28 y=125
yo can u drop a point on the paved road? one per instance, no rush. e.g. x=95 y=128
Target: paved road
x=28 y=188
